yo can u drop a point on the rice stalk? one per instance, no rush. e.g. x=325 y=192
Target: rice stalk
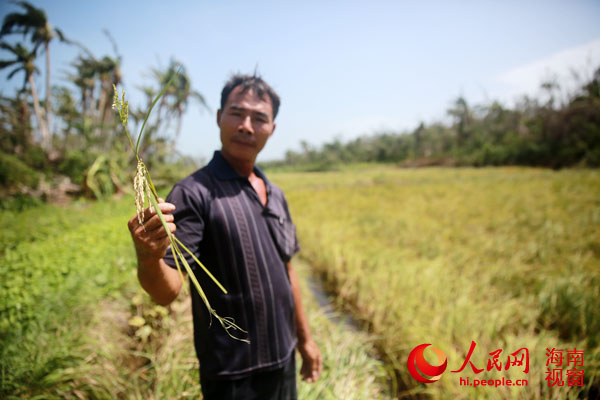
x=144 y=189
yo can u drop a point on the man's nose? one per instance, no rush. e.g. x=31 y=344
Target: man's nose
x=246 y=125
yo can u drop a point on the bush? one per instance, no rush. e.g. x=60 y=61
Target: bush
x=19 y=202
x=36 y=158
x=74 y=165
x=14 y=171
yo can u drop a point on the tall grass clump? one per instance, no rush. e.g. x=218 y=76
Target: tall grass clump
x=506 y=257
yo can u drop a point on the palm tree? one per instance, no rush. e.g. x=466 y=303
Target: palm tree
x=14 y=125
x=182 y=93
x=109 y=73
x=34 y=22
x=25 y=61
x=85 y=80
x=176 y=98
x=95 y=79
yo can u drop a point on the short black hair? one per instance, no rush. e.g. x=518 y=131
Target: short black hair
x=250 y=82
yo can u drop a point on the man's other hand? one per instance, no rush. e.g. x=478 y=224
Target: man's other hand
x=312 y=362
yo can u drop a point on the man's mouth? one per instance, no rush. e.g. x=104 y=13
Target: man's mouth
x=243 y=142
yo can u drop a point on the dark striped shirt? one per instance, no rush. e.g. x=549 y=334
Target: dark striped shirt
x=245 y=245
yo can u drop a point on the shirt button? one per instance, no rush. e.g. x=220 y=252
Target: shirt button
x=281 y=220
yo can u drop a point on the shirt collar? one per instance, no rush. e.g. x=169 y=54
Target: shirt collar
x=222 y=170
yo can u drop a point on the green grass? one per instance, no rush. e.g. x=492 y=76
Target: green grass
x=507 y=257
x=58 y=264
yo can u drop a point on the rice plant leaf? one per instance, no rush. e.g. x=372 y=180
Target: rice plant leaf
x=173 y=249
x=178 y=253
x=202 y=265
x=193 y=278
x=227 y=323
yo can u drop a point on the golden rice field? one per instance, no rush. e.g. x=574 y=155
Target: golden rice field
x=506 y=257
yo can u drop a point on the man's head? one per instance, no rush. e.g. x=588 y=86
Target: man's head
x=246 y=117
x=254 y=83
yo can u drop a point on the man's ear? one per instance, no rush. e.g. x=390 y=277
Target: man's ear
x=219 y=117
x=274 y=126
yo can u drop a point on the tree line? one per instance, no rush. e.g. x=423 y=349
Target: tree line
x=68 y=139
x=553 y=131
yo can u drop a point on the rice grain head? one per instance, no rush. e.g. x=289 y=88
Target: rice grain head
x=141 y=188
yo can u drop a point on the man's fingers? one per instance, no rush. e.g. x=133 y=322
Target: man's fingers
x=155 y=222
x=171 y=226
x=133 y=223
x=311 y=371
x=165 y=208
x=305 y=371
x=158 y=233
x=158 y=247
x=315 y=369
x=165 y=244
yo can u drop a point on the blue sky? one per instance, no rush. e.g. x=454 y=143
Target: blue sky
x=342 y=68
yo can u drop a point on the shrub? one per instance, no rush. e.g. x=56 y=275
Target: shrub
x=14 y=171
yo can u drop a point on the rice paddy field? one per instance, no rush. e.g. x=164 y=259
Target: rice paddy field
x=506 y=257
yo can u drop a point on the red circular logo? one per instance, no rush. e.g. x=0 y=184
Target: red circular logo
x=419 y=368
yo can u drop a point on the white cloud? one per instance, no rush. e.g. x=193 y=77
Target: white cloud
x=526 y=79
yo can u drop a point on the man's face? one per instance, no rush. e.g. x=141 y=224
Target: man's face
x=246 y=123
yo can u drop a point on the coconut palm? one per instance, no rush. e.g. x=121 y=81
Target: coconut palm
x=24 y=61
x=182 y=93
x=175 y=101
x=14 y=125
x=95 y=79
x=109 y=72
x=85 y=80
x=34 y=22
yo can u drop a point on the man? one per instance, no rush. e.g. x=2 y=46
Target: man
x=238 y=224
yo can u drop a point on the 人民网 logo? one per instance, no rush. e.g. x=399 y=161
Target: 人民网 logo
x=420 y=369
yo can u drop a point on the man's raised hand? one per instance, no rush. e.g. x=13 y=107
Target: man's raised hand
x=150 y=238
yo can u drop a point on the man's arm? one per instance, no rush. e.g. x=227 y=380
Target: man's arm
x=312 y=363
x=162 y=282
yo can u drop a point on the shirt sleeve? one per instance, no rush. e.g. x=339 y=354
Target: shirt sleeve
x=189 y=222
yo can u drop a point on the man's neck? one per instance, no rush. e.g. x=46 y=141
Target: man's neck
x=243 y=167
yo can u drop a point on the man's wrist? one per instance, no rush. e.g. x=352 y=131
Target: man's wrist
x=304 y=339
x=145 y=258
